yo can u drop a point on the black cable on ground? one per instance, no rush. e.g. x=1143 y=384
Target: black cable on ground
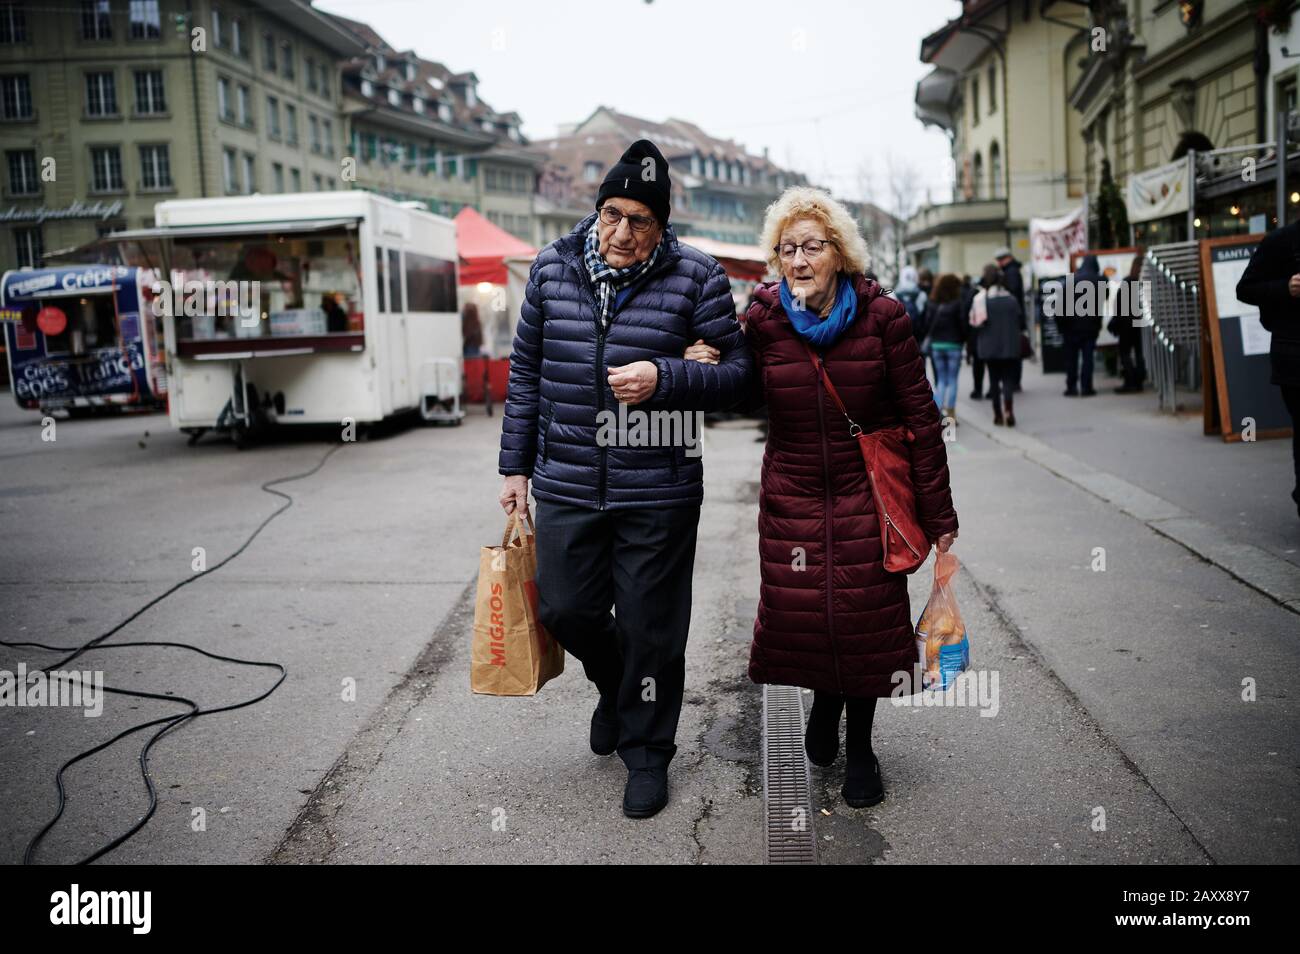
x=167 y=723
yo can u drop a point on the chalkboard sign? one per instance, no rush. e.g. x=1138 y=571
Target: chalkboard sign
x=1239 y=387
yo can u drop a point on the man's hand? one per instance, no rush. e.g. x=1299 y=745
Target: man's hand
x=514 y=493
x=635 y=382
x=1294 y=286
x=944 y=543
x=702 y=352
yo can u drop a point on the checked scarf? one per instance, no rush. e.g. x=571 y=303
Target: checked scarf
x=610 y=281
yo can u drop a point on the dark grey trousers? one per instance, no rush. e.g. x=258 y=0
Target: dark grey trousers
x=639 y=561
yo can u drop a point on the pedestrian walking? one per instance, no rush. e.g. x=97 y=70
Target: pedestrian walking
x=945 y=341
x=1014 y=281
x=1132 y=364
x=606 y=310
x=1081 y=325
x=830 y=617
x=997 y=322
x=1272 y=283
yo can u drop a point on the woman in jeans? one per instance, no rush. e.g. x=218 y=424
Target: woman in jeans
x=997 y=320
x=947 y=333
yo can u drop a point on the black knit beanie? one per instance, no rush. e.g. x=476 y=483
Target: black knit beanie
x=641 y=173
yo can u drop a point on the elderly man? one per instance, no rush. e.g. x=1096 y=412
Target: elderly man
x=609 y=312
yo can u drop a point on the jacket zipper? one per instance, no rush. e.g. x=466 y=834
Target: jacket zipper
x=600 y=365
x=900 y=533
x=830 y=507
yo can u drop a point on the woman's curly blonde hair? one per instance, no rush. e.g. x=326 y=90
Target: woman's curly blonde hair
x=805 y=202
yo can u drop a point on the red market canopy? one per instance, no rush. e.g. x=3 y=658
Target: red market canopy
x=483 y=249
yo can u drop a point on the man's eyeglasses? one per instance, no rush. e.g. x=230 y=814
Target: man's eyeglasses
x=640 y=223
x=811 y=249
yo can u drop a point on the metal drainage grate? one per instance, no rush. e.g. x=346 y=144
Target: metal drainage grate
x=788 y=836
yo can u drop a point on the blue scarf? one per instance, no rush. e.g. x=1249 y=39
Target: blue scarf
x=822 y=332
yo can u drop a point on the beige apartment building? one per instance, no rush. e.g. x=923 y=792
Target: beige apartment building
x=999 y=87
x=421 y=131
x=109 y=106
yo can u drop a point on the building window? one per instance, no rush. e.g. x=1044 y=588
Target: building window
x=237 y=37
x=591 y=172
x=313 y=124
x=993 y=87
x=286 y=60
x=327 y=137
x=30 y=248
x=277 y=176
x=106 y=169
x=295 y=179
x=149 y=96
x=975 y=100
x=230 y=171
x=309 y=65
x=273 y=117
x=22 y=173
x=223 y=98
x=155 y=167
x=13 y=23
x=96 y=24
x=394 y=98
x=217 y=36
x=316 y=182
x=268 y=52
x=444 y=112
x=367 y=88
x=326 y=87
x=16 y=97
x=250 y=177
x=995 y=171
x=101 y=95
x=977 y=176
x=245 y=106
x=145 y=21
x=291 y=124
x=417 y=104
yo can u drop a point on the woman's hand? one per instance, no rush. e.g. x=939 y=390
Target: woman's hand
x=635 y=382
x=514 y=493
x=944 y=543
x=704 y=353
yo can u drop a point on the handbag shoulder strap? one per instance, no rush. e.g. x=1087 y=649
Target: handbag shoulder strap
x=816 y=360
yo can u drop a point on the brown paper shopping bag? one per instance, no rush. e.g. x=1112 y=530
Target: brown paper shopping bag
x=512 y=653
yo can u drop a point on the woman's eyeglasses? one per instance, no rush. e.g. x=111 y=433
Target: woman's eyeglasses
x=612 y=216
x=811 y=249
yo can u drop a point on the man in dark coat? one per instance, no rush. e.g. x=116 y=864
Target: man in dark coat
x=1271 y=282
x=1014 y=282
x=1081 y=325
x=600 y=414
x=1129 y=304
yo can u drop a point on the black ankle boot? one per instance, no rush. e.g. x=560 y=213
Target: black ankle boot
x=604 y=724
x=821 y=739
x=862 y=784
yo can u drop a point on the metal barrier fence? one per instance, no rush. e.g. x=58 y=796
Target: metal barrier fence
x=1171 y=342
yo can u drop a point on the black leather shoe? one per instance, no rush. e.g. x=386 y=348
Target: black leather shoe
x=860 y=792
x=1070 y=392
x=604 y=729
x=646 y=792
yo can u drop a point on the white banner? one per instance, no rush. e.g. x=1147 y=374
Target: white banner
x=1158 y=192
x=1051 y=241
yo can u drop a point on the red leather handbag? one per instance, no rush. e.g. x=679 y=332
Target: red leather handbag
x=889 y=469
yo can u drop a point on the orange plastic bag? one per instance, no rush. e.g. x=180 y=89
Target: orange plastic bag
x=942 y=646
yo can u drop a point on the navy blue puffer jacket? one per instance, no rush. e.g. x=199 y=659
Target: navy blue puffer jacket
x=559 y=378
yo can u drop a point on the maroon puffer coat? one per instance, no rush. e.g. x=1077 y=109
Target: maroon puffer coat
x=836 y=620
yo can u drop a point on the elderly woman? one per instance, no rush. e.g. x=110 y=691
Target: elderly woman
x=830 y=617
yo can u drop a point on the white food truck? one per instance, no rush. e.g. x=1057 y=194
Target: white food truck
x=314 y=308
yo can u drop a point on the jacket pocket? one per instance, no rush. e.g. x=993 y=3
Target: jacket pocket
x=546 y=433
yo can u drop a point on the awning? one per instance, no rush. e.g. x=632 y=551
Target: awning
x=743 y=262
x=483 y=249
x=234 y=228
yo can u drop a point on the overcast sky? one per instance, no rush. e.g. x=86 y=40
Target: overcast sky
x=826 y=85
